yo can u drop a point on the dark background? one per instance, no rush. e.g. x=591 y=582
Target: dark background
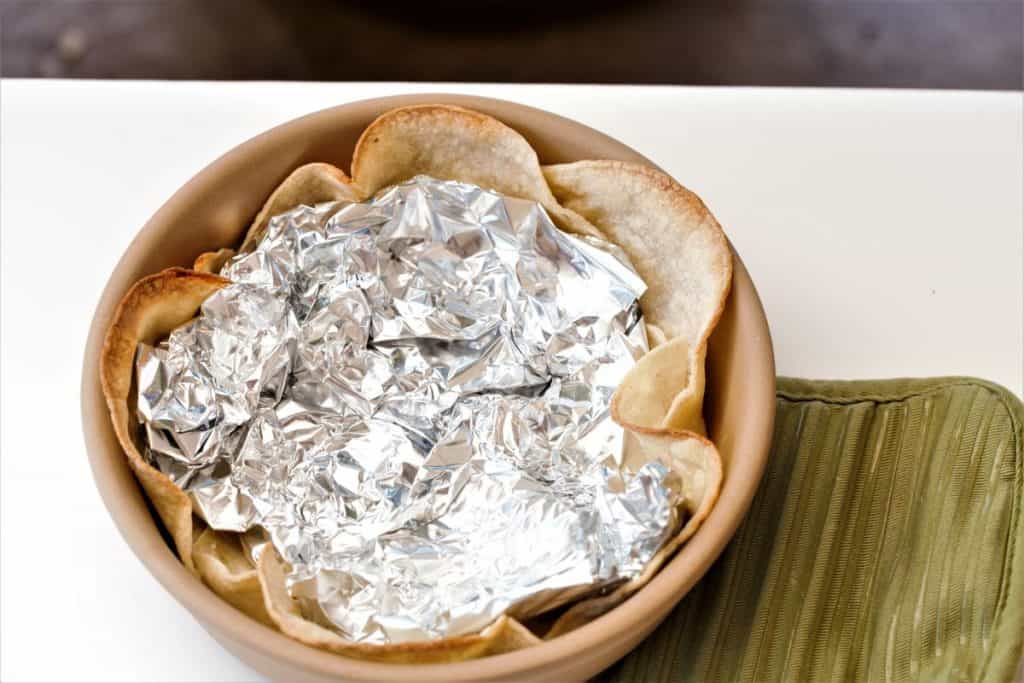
x=879 y=43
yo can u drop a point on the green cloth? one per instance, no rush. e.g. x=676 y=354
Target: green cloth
x=884 y=544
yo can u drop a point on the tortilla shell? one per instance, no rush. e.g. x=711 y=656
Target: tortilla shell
x=224 y=567
x=310 y=184
x=667 y=233
x=674 y=242
x=153 y=307
x=645 y=397
x=655 y=337
x=213 y=261
x=452 y=143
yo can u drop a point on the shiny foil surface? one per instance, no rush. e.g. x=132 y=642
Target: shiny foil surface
x=409 y=398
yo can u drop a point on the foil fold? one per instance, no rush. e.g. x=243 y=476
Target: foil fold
x=409 y=399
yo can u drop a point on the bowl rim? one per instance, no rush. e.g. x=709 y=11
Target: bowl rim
x=671 y=582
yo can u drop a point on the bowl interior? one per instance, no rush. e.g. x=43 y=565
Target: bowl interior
x=214 y=209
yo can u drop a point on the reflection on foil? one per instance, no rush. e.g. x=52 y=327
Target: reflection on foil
x=409 y=398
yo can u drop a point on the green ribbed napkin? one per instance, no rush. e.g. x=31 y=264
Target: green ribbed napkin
x=884 y=544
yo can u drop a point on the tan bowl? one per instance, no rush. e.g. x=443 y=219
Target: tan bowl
x=213 y=209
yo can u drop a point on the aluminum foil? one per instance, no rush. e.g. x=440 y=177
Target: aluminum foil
x=409 y=398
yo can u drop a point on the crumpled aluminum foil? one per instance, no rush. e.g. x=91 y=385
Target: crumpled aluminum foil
x=409 y=397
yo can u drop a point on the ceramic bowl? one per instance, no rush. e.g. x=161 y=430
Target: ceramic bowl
x=214 y=208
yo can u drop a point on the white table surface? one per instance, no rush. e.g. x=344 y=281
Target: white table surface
x=884 y=201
